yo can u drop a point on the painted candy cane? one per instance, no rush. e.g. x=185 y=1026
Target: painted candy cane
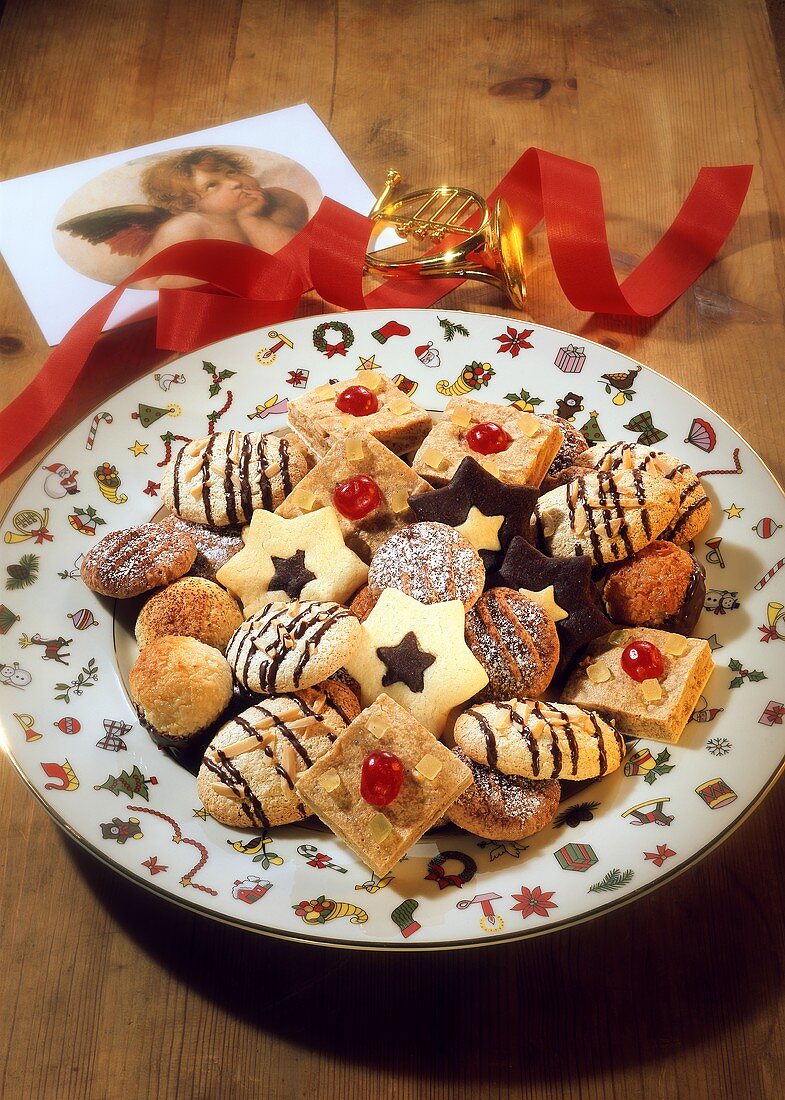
x=767 y=576
x=107 y=416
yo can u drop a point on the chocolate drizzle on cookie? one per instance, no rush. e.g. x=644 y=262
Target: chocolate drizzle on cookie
x=223 y=768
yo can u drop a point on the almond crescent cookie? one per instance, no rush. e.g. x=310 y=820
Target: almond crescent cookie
x=533 y=443
x=223 y=479
x=503 y=807
x=250 y=767
x=693 y=509
x=285 y=647
x=381 y=410
x=605 y=516
x=431 y=562
x=515 y=641
x=539 y=740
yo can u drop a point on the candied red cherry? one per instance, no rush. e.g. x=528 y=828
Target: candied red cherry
x=642 y=661
x=381 y=778
x=356 y=497
x=357 y=400
x=488 y=438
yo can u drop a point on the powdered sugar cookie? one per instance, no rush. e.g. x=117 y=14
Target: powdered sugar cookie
x=515 y=641
x=503 y=807
x=191 y=606
x=431 y=562
x=137 y=559
x=214 y=545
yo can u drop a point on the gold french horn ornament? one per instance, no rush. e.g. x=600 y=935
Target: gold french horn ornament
x=491 y=252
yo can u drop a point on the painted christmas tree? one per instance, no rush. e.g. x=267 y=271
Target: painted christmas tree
x=591 y=430
x=131 y=784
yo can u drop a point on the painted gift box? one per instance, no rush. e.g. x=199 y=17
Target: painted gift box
x=576 y=857
x=570 y=359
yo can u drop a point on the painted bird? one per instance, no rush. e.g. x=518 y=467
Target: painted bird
x=247 y=847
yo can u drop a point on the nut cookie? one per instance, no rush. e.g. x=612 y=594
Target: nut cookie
x=223 y=479
x=515 y=641
x=135 y=560
x=369 y=402
x=251 y=765
x=662 y=586
x=180 y=687
x=604 y=516
x=285 y=647
x=190 y=606
x=430 y=562
x=539 y=740
x=570 y=455
x=693 y=508
x=503 y=807
x=523 y=445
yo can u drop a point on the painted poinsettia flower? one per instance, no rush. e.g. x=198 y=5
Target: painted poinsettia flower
x=534 y=901
x=513 y=341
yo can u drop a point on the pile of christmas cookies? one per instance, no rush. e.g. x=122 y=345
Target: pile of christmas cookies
x=387 y=621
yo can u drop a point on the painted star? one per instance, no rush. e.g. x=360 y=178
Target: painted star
x=138 y=448
x=453 y=676
x=259 y=573
x=714 y=643
x=369 y=363
x=734 y=512
x=472 y=487
x=524 y=567
x=201 y=814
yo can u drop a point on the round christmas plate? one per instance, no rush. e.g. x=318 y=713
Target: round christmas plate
x=74 y=738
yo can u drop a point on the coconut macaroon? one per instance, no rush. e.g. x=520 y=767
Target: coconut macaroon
x=180 y=687
x=193 y=607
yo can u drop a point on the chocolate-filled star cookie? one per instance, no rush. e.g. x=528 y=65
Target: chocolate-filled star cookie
x=563 y=586
x=472 y=502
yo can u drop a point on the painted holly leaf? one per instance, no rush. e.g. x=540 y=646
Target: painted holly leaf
x=614 y=880
x=737 y=681
x=215 y=388
x=210 y=368
x=755 y=676
x=734 y=665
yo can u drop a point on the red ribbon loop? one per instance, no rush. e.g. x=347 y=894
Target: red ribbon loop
x=245 y=288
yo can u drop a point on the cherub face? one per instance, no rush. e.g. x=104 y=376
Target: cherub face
x=224 y=190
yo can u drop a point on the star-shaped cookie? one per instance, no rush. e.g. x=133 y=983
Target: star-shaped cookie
x=560 y=585
x=399 y=636
x=291 y=559
x=473 y=502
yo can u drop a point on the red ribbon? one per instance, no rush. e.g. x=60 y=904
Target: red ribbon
x=245 y=288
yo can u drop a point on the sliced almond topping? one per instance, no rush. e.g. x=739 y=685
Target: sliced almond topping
x=579 y=520
x=628 y=460
x=380 y=828
x=355 y=452
x=664 y=463
x=538 y=727
x=290 y=715
x=302 y=498
x=652 y=690
x=319 y=703
x=428 y=766
x=226 y=792
x=675 y=645
x=248 y=744
x=461 y=417
x=289 y=765
x=192 y=471
x=615 y=525
x=598 y=672
x=196 y=490
x=330 y=780
x=273 y=469
x=528 y=424
x=399 y=406
x=399 y=501
x=572 y=492
x=501 y=719
x=434 y=459
x=304 y=722
x=196 y=448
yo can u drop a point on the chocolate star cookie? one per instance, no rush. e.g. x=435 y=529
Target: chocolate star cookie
x=563 y=586
x=473 y=495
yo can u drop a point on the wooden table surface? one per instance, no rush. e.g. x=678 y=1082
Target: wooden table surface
x=107 y=991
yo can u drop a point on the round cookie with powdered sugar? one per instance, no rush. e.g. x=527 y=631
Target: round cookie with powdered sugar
x=503 y=807
x=250 y=767
x=286 y=647
x=430 y=562
x=135 y=560
x=515 y=641
x=223 y=479
x=539 y=740
x=190 y=606
x=214 y=545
